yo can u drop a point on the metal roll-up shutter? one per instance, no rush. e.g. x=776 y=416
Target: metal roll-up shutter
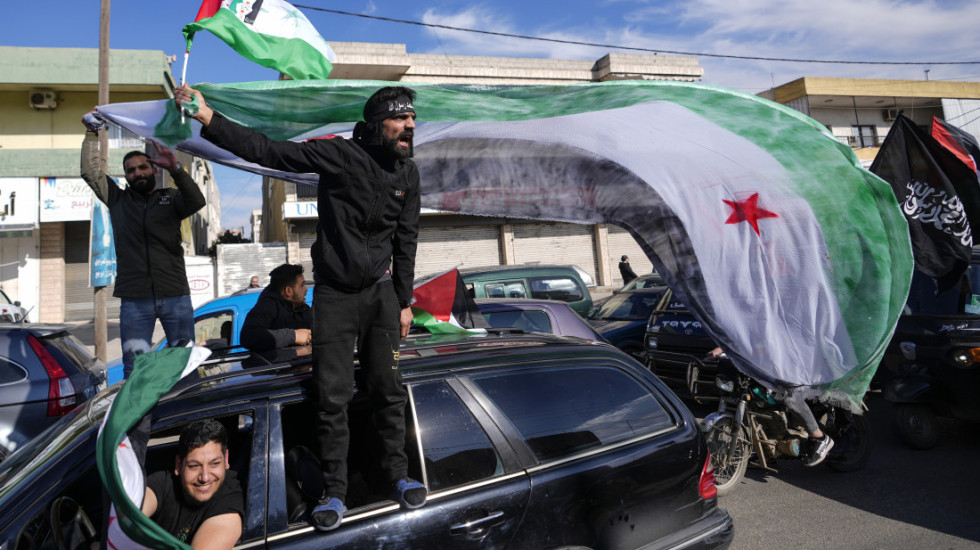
x=79 y=296
x=442 y=248
x=621 y=242
x=306 y=241
x=556 y=243
x=238 y=262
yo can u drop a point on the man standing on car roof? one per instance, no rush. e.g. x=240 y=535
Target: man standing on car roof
x=368 y=200
x=150 y=281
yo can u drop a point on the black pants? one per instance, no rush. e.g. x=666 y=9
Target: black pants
x=371 y=318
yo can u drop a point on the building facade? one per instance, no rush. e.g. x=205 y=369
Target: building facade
x=859 y=112
x=45 y=238
x=289 y=211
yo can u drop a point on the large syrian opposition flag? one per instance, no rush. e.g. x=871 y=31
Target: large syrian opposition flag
x=154 y=374
x=442 y=305
x=940 y=197
x=271 y=33
x=796 y=259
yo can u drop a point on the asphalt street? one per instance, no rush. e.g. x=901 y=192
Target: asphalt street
x=903 y=499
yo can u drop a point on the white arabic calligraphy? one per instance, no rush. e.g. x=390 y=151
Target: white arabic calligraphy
x=944 y=212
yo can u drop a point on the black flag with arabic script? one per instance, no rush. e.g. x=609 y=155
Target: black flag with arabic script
x=938 y=195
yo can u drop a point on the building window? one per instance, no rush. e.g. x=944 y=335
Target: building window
x=864 y=136
x=121 y=138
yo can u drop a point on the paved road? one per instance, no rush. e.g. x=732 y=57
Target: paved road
x=904 y=499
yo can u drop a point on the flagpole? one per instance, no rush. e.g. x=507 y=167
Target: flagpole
x=183 y=79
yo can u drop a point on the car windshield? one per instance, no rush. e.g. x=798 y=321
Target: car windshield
x=629 y=306
x=3 y=298
x=644 y=281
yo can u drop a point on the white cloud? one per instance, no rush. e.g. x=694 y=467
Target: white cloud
x=878 y=30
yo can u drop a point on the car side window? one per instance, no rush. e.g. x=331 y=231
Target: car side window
x=561 y=412
x=556 y=288
x=456 y=449
x=509 y=289
x=214 y=330
x=10 y=373
x=526 y=320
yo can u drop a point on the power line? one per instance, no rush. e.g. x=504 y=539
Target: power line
x=632 y=48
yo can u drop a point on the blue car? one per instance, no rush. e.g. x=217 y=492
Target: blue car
x=218 y=323
x=622 y=319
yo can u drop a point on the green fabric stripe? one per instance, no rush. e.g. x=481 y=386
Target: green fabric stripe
x=293 y=57
x=867 y=238
x=153 y=375
x=425 y=319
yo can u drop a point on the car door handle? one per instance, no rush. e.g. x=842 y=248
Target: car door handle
x=477 y=526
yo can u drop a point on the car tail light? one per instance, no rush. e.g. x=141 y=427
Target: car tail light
x=706 y=485
x=61 y=392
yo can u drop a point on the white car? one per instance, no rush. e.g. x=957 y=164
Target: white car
x=10 y=312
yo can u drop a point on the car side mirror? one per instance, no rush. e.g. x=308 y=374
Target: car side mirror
x=17 y=303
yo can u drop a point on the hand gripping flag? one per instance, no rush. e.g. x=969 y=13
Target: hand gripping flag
x=271 y=33
x=795 y=258
x=122 y=474
x=939 y=195
x=442 y=305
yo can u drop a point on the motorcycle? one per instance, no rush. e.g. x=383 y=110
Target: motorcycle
x=749 y=422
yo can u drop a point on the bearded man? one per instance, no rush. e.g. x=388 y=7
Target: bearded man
x=201 y=503
x=151 y=280
x=368 y=203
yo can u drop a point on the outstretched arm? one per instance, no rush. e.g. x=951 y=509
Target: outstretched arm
x=315 y=156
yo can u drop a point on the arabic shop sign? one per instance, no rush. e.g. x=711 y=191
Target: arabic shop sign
x=65 y=200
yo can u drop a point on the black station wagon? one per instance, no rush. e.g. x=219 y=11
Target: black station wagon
x=523 y=440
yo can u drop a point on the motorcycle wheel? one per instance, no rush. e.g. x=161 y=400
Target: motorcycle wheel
x=719 y=439
x=852 y=440
x=917 y=425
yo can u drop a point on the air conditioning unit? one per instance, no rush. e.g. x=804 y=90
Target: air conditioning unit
x=890 y=114
x=43 y=99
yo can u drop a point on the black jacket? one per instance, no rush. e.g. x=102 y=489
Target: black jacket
x=368 y=206
x=627 y=272
x=272 y=323
x=146 y=230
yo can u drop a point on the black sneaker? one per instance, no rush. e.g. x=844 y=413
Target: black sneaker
x=818 y=450
x=410 y=493
x=328 y=514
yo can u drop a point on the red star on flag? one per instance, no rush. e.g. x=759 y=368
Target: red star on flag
x=748 y=211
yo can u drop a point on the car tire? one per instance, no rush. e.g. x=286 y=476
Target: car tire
x=917 y=425
x=728 y=474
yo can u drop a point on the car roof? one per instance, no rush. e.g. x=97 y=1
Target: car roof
x=521 y=303
x=512 y=267
x=37 y=329
x=420 y=354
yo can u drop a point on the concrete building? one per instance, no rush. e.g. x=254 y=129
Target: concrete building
x=446 y=240
x=860 y=112
x=44 y=241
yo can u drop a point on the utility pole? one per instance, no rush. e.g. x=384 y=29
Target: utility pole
x=101 y=339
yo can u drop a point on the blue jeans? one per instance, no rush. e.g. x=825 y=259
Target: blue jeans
x=138 y=316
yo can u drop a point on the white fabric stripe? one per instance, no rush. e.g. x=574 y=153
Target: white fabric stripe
x=283 y=20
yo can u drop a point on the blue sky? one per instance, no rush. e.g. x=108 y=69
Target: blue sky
x=878 y=30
